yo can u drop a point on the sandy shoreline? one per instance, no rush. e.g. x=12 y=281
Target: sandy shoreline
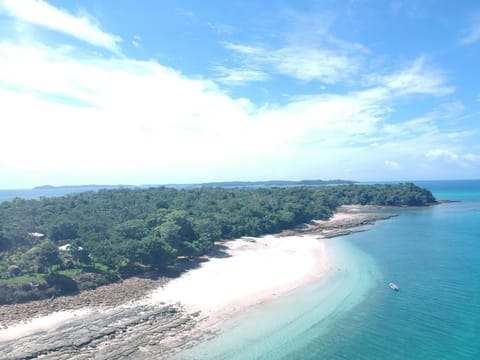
x=250 y=271
x=256 y=270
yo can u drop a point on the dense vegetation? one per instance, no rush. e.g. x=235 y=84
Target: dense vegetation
x=117 y=232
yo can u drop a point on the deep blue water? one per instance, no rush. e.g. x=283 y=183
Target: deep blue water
x=432 y=253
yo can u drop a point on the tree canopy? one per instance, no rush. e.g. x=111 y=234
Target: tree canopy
x=153 y=227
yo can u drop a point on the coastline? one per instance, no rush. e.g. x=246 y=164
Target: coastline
x=107 y=296
x=254 y=271
x=251 y=271
x=347 y=220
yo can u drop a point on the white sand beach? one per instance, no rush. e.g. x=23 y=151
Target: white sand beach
x=252 y=271
x=255 y=270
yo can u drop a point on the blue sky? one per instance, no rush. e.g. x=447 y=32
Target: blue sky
x=189 y=91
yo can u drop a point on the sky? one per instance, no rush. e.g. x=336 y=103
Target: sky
x=157 y=92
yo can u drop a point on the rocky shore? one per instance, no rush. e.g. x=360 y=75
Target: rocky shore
x=348 y=219
x=105 y=297
x=136 y=332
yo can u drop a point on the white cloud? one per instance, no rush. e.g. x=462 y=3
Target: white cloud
x=471 y=157
x=429 y=123
x=223 y=29
x=442 y=154
x=392 y=164
x=305 y=63
x=466 y=159
x=39 y=12
x=473 y=33
x=336 y=65
x=417 y=78
x=188 y=15
x=140 y=114
x=244 y=49
x=239 y=76
x=313 y=64
x=66 y=113
x=136 y=41
x=43 y=69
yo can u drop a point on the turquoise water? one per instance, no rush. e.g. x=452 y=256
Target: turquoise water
x=433 y=254
x=268 y=328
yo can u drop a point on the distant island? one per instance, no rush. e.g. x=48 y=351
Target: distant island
x=226 y=184
x=93 y=186
x=269 y=183
x=61 y=245
x=44 y=187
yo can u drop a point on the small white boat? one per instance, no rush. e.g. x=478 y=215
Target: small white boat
x=394 y=286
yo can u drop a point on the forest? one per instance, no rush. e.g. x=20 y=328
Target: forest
x=49 y=246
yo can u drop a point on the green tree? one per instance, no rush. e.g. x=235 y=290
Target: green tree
x=64 y=230
x=44 y=256
x=79 y=254
x=152 y=250
x=131 y=229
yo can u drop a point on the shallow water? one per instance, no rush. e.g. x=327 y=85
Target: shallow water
x=289 y=323
x=433 y=254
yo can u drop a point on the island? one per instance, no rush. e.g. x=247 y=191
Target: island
x=64 y=245
x=149 y=273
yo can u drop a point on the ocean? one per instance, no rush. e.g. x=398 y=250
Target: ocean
x=37 y=193
x=432 y=253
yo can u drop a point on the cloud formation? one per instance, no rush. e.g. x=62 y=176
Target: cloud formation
x=303 y=63
x=442 y=154
x=39 y=12
x=392 y=164
x=137 y=116
x=452 y=156
x=238 y=76
x=75 y=113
